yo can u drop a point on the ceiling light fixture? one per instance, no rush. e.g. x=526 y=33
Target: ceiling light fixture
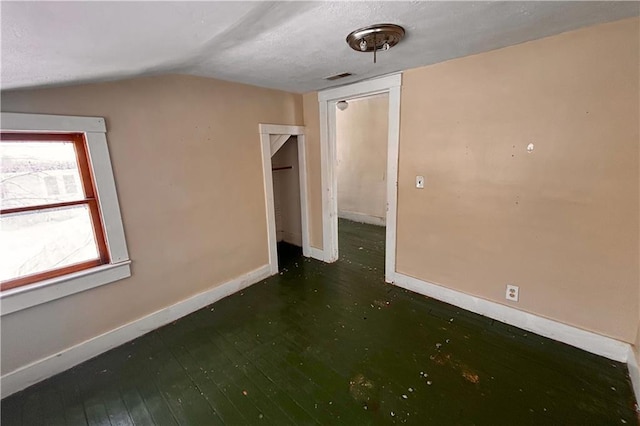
x=342 y=105
x=375 y=37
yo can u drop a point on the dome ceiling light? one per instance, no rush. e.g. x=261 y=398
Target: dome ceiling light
x=375 y=37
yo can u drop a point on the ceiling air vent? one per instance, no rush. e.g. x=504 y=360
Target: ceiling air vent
x=338 y=76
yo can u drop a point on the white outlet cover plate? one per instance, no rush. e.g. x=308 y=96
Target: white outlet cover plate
x=420 y=182
x=512 y=292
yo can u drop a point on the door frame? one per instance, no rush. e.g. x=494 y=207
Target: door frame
x=266 y=130
x=328 y=99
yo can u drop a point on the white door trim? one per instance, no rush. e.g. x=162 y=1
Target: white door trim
x=278 y=142
x=328 y=98
x=266 y=130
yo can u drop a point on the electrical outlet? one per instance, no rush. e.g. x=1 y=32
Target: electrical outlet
x=512 y=292
x=420 y=182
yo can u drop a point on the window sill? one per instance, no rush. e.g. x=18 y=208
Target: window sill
x=24 y=297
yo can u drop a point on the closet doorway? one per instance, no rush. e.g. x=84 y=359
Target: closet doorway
x=285 y=187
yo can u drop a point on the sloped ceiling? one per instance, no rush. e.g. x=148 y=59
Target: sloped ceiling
x=291 y=46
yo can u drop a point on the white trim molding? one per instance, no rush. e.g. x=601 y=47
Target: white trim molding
x=20 y=122
x=94 y=130
x=574 y=336
x=361 y=88
x=634 y=373
x=266 y=130
x=361 y=218
x=20 y=298
x=390 y=84
x=42 y=369
x=316 y=253
x=100 y=163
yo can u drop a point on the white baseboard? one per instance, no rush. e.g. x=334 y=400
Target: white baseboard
x=362 y=218
x=316 y=253
x=44 y=368
x=574 y=336
x=634 y=373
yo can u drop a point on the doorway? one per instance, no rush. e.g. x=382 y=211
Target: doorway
x=328 y=100
x=286 y=198
x=284 y=163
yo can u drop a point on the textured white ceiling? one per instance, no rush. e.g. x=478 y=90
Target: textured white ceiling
x=284 y=45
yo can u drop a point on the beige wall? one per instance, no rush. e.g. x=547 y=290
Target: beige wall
x=361 y=151
x=186 y=157
x=314 y=175
x=560 y=222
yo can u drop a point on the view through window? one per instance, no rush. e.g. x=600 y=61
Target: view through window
x=49 y=217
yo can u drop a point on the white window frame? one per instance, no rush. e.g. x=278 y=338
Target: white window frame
x=94 y=130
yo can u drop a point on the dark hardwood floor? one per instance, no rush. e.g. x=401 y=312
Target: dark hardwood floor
x=333 y=344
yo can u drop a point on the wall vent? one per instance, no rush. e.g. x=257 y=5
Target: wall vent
x=338 y=76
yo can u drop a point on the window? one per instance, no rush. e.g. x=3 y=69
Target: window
x=44 y=233
x=60 y=225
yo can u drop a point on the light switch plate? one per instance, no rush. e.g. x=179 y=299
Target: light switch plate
x=420 y=182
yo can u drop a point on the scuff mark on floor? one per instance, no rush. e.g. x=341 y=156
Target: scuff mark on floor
x=364 y=391
x=467 y=372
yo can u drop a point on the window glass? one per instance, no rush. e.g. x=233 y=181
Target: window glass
x=37 y=241
x=35 y=173
x=70 y=186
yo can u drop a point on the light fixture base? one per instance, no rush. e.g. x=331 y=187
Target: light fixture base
x=375 y=37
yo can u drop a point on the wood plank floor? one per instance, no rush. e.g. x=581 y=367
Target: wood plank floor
x=333 y=344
